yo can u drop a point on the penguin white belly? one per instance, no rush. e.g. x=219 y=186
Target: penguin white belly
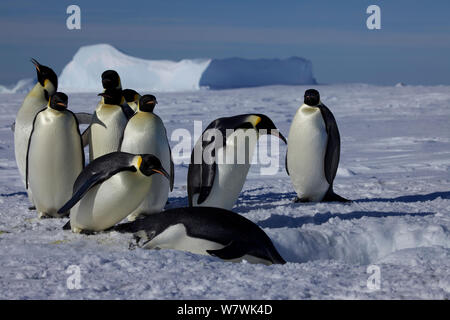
x=307 y=145
x=145 y=133
x=108 y=203
x=106 y=133
x=176 y=237
x=133 y=105
x=55 y=160
x=33 y=103
x=229 y=178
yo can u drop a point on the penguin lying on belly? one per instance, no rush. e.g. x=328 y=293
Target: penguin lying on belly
x=207 y=231
x=313 y=152
x=109 y=189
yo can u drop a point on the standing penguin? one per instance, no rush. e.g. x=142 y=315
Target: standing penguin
x=145 y=133
x=36 y=99
x=313 y=151
x=111 y=82
x=108 y=123
x=216 y=183
x=55 y=156
x=109 y=189
x=132 y=98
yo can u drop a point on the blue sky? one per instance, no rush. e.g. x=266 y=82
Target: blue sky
x=413 y=45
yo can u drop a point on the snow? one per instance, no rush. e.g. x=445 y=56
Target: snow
x=395 y=162
x=82 y=74
x=241 y=73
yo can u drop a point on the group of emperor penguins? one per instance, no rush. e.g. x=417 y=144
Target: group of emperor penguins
x=131 y=172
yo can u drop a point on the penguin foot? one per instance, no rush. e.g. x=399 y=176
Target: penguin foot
x=333 y=197
x=300 y=200
x=32 y=208
x=43 y=215
x=132 y=217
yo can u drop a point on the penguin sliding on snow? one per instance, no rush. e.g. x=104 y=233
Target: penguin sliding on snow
x=34 y=102
x=55 y=156
x=205 y=230
x=145 y=133
x=132 y=98
x=215 y=183
x=313 y=152
x=109 y=189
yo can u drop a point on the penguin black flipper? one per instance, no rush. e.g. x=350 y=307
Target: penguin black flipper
x=81 y=137
x=200 y=180
x=127 y=110
x=84 y=117
x=332 y=153
x=233 y=250
x=67 y=226
x=28 y=148
x=201 y=176
x=85 y=136
x=285 y=164
x=172 y=170
x=99 y=170
x=333 y=145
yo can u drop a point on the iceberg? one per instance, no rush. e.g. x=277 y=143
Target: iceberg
x=83 y=73
x=22 y=86
x=240 y=73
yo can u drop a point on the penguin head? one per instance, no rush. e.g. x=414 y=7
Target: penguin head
x=46 y=76
x=58 y=101
x=111 y=80
x=130 y=95
x=112 y=96
x=148 y=164
x=263 y=122
x=312 y=97
x=147 y=103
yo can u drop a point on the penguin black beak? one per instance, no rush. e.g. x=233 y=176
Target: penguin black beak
x=36 y=64
x=163 y=172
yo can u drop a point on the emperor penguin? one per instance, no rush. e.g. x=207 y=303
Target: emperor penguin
x=109 y=189
x=34 y=102
x=145 y=133
x=207 y=231
x=313 y=151
x=111 y=82
x=55 y=156
x=108 y=123
x=131 y=98
x=217 y=181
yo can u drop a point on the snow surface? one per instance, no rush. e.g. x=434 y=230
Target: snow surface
x=395 y=162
